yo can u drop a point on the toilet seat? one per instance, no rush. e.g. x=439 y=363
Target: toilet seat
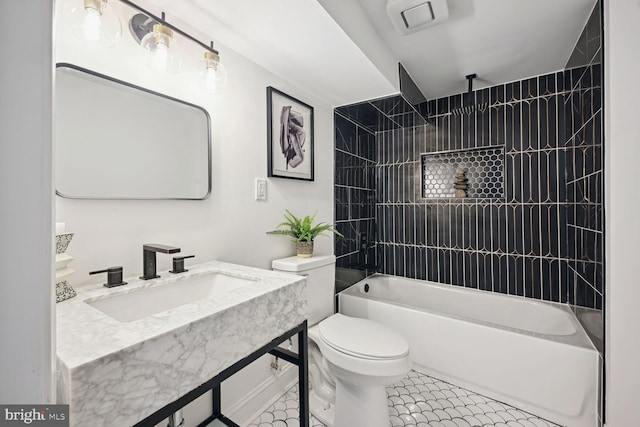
x=351 y=354
x=362 y=338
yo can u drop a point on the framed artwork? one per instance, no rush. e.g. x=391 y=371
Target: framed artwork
x=290 y=136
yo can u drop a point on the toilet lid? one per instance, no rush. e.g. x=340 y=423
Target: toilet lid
x=362 y=338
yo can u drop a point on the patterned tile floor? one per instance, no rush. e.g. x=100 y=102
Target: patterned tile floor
x=420 y=401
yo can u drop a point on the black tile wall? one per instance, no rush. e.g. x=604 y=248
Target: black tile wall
x=543 y=239
x=584 y=166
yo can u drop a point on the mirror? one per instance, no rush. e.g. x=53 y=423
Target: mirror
x=115 y=140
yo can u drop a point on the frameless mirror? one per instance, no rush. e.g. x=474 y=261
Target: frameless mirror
x=115 y=140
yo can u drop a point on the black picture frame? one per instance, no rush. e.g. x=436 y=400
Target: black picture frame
x=289 y=137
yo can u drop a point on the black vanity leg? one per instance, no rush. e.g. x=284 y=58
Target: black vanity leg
x=217 y=400
x=303 y=372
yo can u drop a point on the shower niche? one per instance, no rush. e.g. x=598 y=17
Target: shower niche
x=469 y=173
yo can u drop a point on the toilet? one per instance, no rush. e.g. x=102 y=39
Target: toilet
x=351 y=360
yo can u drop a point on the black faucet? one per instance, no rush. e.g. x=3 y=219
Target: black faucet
x=149 y=258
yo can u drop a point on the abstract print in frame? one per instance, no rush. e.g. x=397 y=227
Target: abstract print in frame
x=290 y=136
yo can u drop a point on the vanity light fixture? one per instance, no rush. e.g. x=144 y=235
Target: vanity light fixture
x=94 y=21
x=162 y=48
x=214 y=73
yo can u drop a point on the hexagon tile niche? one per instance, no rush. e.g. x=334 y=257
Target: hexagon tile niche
x=483 y=167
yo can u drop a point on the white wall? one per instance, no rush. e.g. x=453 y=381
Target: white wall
x=230 y=225
x=26 y=235
x=622 y=154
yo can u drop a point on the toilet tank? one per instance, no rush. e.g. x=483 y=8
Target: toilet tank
x=320 y=274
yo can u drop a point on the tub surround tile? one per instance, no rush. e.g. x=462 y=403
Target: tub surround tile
x=532 y=222
x=140 y=366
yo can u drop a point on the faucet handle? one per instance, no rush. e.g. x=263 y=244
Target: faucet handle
x=178 y=264
x=114 y=276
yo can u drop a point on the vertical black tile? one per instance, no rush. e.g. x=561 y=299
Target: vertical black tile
x=431 y=225
x=471 y=228
x=442 y=105
x=444 y=225
x=399 y=261
x=543 y=175
x=408 y=224
x=398 y=214
x=514 y=280
x=509 y=178
x=444 y=266
x=455 y=132
x=470 y=269
x=457 y=225
x=419 y=224
x=500 y=274
x=527 y=177
x=499 y=225
x=421 y=263
x=483 y=120
x=532 y=231
x=563 y=240
x=410 y=261
x=468 y=130
x=497 y=95
x=498 y=135
x=513 y=91
x=520 y=167
x=547 y=84
x=433 y=269
x=457 y=268
x=512 y=127
x=555 y=175
x=487 y=215
x=519 y=276
x=482 y=260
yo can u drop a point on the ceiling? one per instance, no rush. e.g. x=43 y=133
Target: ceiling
x=499 y=40
x=344 y=51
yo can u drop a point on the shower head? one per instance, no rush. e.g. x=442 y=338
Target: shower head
x=468 y=104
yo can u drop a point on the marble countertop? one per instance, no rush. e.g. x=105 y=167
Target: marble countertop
x=113 y=372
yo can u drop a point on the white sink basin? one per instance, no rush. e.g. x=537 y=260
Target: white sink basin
x=144 y=302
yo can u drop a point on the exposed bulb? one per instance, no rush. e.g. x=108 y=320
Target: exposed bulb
x=214 y=75
x=210 y=79
x=94 y=21
x=162 y=49
x=91 y=24
x=160 y=57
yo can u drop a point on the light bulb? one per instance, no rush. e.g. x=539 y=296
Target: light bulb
x=94 y=21
x=91 y=24
x=210 y=79
x=214 y=74
x=161 y=57
x=162 y=49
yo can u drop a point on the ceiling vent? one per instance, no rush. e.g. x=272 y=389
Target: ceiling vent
x=409 y=16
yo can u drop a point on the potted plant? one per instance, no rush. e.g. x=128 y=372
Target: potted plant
x=303 y=231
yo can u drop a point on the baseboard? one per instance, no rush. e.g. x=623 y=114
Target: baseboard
x=262 y=397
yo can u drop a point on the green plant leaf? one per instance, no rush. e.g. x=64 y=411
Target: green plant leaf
x=302 y=229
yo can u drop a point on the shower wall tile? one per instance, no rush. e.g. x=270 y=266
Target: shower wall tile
x=543 y=240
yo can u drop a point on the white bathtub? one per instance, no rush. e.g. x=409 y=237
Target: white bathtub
x=531 y=354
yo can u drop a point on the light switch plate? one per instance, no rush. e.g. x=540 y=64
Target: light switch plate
x=261 y=189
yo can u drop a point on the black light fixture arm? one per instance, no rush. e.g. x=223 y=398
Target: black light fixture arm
x=174 y=28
